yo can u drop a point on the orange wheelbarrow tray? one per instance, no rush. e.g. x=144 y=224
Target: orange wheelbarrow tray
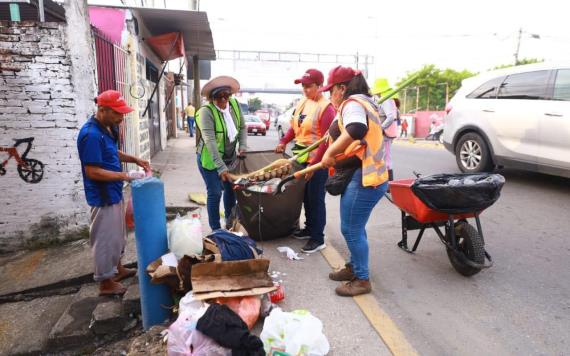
x=464 y=243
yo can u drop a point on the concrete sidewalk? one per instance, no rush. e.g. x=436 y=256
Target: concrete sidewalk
x=305 y=282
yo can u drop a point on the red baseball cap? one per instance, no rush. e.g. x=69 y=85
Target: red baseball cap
x=311 y=76
x=338 y=75
x=114 y=100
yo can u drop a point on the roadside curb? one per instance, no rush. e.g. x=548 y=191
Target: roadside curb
x=419 y=143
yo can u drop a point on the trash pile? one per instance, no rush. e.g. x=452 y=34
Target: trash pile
x=224 y=286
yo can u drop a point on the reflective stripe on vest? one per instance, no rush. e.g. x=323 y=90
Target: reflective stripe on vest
x=374 y=170
x=220 y=132
x=307 y=129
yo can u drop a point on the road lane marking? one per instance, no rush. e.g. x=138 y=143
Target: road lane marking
x=388 y=331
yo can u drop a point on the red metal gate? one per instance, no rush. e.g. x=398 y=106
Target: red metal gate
x=113 y=74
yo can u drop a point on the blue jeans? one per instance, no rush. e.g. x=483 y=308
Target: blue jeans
x=214 y=187
x=356 y=204
x=191 y=121
x=315 y=208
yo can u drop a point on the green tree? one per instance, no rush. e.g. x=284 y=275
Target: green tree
x=254 y=104
x=432 y=85
x=520 y=62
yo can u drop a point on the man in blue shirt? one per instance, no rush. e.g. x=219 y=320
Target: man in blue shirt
x=103 y=179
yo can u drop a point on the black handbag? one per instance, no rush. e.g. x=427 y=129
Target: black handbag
x=337 y=183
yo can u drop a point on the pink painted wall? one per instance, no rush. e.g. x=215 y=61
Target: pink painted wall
x=423 y=119
x=109 y=21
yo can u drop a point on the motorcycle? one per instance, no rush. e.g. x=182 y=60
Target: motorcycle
x=436 y=133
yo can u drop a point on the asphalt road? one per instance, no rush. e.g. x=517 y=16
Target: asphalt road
x=519 y=306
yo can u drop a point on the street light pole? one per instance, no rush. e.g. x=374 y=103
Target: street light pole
x=518 y=47
x=532 y=35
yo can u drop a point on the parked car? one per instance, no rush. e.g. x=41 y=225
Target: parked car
x=284 y=122
x=515 y=117
x=265 y=117
x=254 y=125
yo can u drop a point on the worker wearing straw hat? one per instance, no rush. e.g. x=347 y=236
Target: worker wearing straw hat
x=221 y=137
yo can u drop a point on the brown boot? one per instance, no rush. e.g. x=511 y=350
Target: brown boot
x=110 y=287
x=344 y=274
x=354 y=287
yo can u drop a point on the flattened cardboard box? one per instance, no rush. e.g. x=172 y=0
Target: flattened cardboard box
x=237 y=293
x=230 y=276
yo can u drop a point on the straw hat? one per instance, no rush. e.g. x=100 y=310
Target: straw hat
x=221 y=81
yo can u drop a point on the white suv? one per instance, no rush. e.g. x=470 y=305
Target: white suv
x=517 y=117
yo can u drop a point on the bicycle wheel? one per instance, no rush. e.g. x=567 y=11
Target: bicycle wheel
x=33 y=173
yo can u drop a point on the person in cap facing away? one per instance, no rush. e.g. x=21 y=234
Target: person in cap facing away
x=311 y=120
x=103 y=179
x=357 y=119
x=220 y=131
x=389 y=114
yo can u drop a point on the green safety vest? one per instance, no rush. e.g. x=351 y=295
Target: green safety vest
x=220 y=130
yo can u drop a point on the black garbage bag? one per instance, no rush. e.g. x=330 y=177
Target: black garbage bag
x=266 y=216
x=459 y=193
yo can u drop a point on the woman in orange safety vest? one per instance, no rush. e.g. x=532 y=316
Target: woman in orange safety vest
x=357 y=119
x=311 y=120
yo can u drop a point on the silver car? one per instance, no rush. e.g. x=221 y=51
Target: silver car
x=515 y=117
x=284 y=122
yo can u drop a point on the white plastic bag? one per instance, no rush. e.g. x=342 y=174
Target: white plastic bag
x=297 y=333
x=189 y=304
x=180 y=332
x=185 y=235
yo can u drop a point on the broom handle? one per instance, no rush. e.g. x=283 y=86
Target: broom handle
x=399 y=88
x=309 y=148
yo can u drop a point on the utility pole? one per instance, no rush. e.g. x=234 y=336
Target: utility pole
x=518 y=46
x=405 y=97
x=417 y=98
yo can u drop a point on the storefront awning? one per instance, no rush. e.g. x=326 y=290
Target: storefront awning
x=193 y=25
x=168 y=46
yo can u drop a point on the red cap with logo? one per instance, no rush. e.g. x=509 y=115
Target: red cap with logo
x=339 y=75
x=311 y=76
x=114 y=100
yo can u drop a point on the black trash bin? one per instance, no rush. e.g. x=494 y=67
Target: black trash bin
x=266 y=216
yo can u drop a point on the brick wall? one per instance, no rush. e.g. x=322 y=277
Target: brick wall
x=38 y=99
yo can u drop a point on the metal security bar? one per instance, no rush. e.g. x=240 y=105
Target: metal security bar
x=113 y=74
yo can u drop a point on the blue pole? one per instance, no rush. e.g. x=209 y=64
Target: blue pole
x=150 y=231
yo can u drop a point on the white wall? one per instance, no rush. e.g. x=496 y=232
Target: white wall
x=49 y=99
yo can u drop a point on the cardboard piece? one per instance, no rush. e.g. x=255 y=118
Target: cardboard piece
x=237 y=293
x=230 y=276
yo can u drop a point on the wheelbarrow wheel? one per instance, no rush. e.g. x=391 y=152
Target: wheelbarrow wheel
x=470 y=244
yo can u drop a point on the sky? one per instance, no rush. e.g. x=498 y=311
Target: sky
x=402 y=36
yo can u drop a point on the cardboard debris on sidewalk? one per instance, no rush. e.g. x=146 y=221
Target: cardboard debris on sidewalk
x=231 y=279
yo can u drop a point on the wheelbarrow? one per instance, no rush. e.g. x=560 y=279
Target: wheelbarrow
x=447 y=201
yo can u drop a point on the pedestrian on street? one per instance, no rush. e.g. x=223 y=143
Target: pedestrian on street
x=189 y=110
x=389 y=114
x=404 y=128
x=311 y=120
x=357 y=119
x=103 y=179
x=221 y=129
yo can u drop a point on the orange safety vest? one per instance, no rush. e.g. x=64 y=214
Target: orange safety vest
x=374 y=170
x=306 y=122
